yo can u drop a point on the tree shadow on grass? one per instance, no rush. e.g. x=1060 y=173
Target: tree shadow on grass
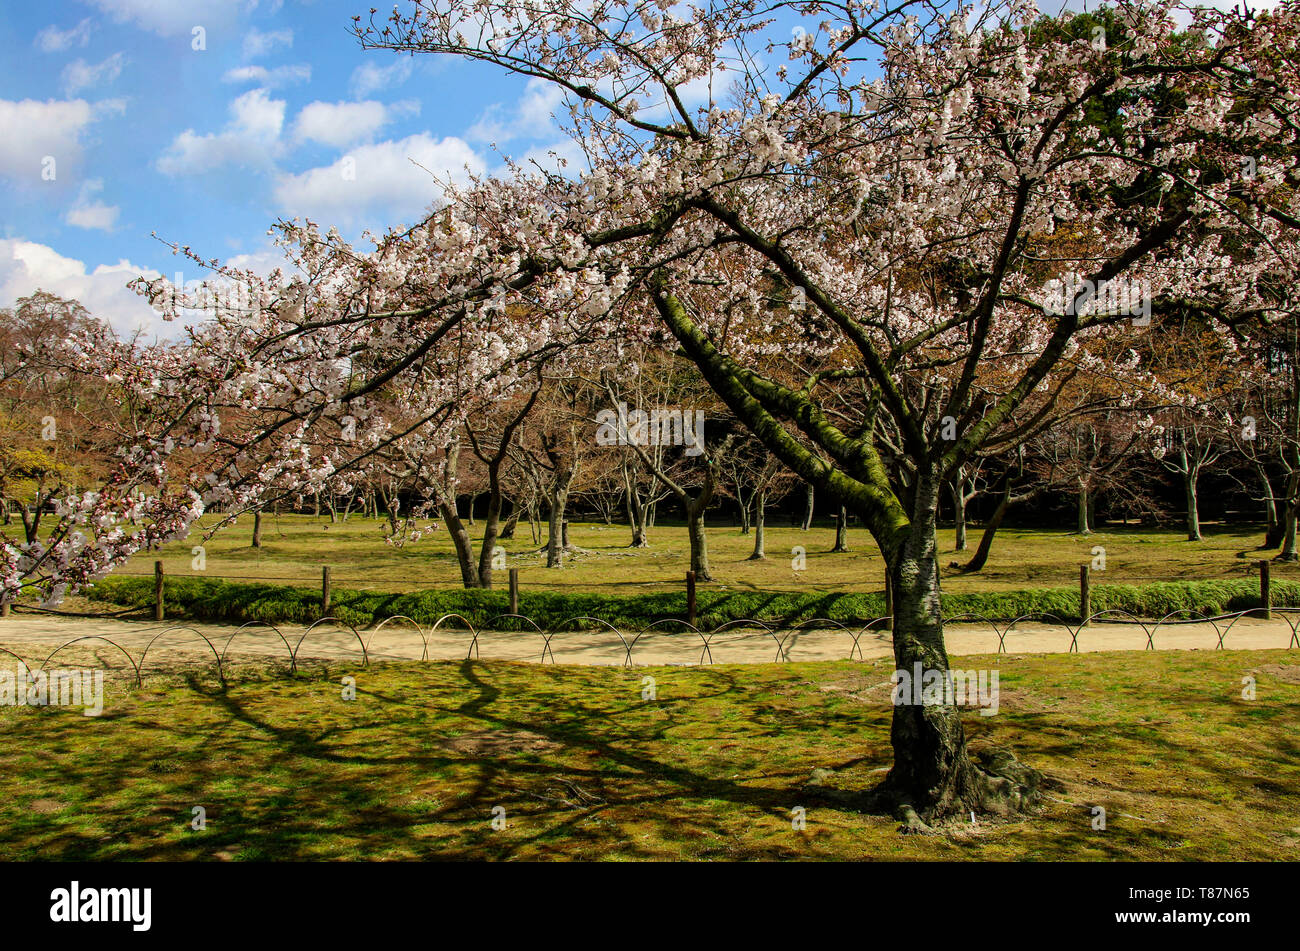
x=278 y=785
x=584 y=768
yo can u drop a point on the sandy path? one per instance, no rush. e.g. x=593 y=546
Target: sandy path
x=33 y=637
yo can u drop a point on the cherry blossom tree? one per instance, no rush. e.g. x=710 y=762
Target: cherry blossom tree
x=891 y=208
x=875 y=243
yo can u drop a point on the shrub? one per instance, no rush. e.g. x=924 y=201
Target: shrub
x=209 y=599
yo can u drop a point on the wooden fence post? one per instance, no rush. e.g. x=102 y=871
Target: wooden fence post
x=1085 y=594
x=1265 y=595
x=324 y=591
x=514 y=590
x=690 y=597
x=157 y=591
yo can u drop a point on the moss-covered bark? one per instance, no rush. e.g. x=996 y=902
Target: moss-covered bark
x=933 y=775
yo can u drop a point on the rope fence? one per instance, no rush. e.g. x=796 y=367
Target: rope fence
x=782 y=638
x=328 y=579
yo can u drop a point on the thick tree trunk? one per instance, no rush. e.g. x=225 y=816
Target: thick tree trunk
x=933 y=776
x=931 y=771
x=257 y=529
x=1289 y=552
x=491 y=528
x=808 y=510
x=636 y=518
x=841 y=531
x=1082 y=523
x=555 y=542
x=460 y=540
x=508 y=530
x=760 y=519
x=695 y=509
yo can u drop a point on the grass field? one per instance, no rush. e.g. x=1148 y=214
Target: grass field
x=584 y=768
x=294 y=548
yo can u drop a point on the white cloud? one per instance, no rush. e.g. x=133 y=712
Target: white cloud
x=537 y=106
x=262 y=262
x=109 y=107
x=532 y=116
x=175 y=17
x=26 y=267
x=257 y=43
x=340 y=124
x=92 y=215
x=37 y=131
x=492 y=127
x=268 y=78
x=53 y=40
x=563 y=158
x=380 y=181
x=250 y=138
x=368 y=77
x=79 y=74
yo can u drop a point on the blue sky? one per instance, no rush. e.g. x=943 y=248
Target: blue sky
x=113 y=126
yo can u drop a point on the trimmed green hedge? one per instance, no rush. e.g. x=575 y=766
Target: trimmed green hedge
x=214 y=600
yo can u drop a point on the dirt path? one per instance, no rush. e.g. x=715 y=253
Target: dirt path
x=153 y=645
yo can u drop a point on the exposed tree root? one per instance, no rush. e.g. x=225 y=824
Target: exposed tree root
x=912 y=823
x=999 y=786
